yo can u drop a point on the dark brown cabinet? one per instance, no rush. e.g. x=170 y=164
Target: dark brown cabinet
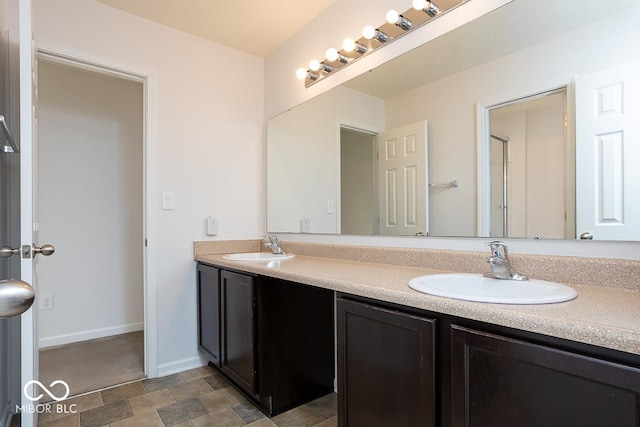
x=208 y=312
x=237 y=329
x=399 y=365
x=272 y=339
x=386 y=367
x=500 y=381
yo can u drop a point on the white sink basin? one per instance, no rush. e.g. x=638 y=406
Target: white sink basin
x=257 y=256
x=475 y=287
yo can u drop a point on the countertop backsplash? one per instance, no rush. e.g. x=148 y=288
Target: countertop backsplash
x=600 y=272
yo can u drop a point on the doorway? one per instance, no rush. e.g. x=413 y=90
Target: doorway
x=528 y=168
x=357 y=182
x=90 y=196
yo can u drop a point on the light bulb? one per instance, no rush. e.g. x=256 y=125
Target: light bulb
x=301 y=73
x=427 y=7
x=419 y=4
x=348 y=45
x=368 y=32
x=332 y=54
x=393 y=16
x=314 y=65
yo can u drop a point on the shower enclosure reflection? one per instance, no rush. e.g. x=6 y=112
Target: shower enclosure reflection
x=529 y=160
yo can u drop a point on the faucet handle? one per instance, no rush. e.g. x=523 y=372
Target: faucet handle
x=498 y=248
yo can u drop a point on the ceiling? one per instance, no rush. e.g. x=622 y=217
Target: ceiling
x=257 y=27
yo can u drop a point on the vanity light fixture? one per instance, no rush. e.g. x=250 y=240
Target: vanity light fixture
x=370 y=33
x=333 y=55
x=372 y=38
x=427 y=7
x=393 y=17
x=349 y=45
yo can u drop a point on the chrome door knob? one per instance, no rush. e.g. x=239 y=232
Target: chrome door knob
x=8 y=251
x=16 y=297
x=586 y=236
x=45 y=250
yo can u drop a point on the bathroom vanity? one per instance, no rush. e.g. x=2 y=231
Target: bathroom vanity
x=430 y=369
x=406 y=358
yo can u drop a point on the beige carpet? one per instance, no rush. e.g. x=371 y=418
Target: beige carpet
x=94 y=364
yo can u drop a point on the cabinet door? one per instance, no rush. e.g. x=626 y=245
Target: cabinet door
x=209 y=312
x=499 y=381
x=238 y=358
x=385 y=367
x=296 y=336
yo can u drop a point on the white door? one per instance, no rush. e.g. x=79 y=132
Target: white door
x=28 y=227
x=18 y=196
x=402 y=180
x=607 y=142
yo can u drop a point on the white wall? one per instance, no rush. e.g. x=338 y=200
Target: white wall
x=304 y=143
x=206 y=148
x=546 y=163
x=90 y=134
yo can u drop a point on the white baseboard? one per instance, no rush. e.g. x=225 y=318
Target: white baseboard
x=45 y=342
x=181 y=365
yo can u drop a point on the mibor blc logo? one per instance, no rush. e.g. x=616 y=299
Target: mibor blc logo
x=46 y=408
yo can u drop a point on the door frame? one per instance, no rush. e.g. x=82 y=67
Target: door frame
x=342 y=122
x=483 y=144
x=83 y=60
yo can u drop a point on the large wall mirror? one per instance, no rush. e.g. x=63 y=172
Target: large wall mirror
x=521 y=123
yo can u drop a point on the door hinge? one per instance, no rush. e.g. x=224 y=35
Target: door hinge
x=26 y=251
x=566 y=121
x=145 y=242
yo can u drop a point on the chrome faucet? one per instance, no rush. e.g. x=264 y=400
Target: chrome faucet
x=500 y=264
x=274 y=245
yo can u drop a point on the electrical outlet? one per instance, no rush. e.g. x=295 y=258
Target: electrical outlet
x=212 y=226
x=46 y=302
x=305 y=225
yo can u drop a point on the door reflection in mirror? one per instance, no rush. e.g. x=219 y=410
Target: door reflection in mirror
x=529 y=163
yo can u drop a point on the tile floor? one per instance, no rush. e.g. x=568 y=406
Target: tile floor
x=195 y=398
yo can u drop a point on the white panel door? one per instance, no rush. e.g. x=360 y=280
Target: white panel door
x=402 y=180
x=607 y=153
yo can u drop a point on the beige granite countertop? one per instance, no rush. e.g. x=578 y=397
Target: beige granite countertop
x=602 y=316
